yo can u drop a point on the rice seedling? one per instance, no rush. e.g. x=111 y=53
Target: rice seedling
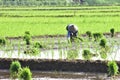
x=89 y=34
x=112 y=68
x=25 y=74
x=87 y=55
x=15 y=68
x=103 y=54
x=103 y=43
x=112 y=31
x=32 y=51
x=38 y=45
x=27 y=37
x=2 y=41
x=72 y=54
x=97 y=36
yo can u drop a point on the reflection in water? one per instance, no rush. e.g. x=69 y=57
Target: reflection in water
x=57 y=54
x=38 y=75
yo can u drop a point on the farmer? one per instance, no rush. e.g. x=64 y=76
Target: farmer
x=72 y=31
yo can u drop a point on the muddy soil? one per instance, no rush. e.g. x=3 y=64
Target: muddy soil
x=117 y=35
x=58 y=65
x=60 y=69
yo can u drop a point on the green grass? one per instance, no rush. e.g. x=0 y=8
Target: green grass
x=52 y=21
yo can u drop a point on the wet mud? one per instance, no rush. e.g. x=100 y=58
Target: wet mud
x=58 y=65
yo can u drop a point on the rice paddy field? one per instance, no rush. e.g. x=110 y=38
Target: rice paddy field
x=53 y=20
x=54 y=53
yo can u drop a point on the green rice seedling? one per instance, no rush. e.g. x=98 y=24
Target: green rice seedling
x=80 y=39
x=97 y=36
x=60 y=54
x=32 y=51
x=27 y=32
x=52 y=52
x=103 y=43
x=25 y=74
x=89 y=34
x=27 y=37
x=104 y=47
x=15 y=68
x=75 y=39
x=38 y=45
x=103 y=54
x=87 y=55
x=2 y=41
x=113 y=68
x=72 y=54
x=112 y=30
x=19 y=48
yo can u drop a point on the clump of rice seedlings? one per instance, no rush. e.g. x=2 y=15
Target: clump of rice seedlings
x=38 y=45
x=27 y=37
x=60 y=54
x=97 y=36
x=112 y=30
x=25 y=74
x=32 y=51
x=87 y=55
x=103 y=43
x=2 y=41
x=15 y=68
x=103 y=54
x=72 y=54
x=76 y=39
x=89 y=34
x=113 y=68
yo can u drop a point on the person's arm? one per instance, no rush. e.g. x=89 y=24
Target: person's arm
x=68 y=36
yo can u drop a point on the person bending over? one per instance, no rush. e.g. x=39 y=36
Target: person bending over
x=72 y=32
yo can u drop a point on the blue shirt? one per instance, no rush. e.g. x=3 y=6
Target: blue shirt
x=68 y=35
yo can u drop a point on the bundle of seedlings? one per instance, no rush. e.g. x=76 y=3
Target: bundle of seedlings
x=2 y=41
x=32 y=51
x=87 y=55
x=112 y=31
x=25 y=74
x=72 y=54
x=103 y=54
x=89 y=34
x=16 y=72
x=27 y=38
x=97 y=36
x=37 y=45
x=113 y=68
x=15 y=68
x=104 y=47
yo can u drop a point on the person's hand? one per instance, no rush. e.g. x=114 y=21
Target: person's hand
x=68 y=39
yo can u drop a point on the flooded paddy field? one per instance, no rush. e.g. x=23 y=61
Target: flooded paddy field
x=59 y=48
x=58 y=60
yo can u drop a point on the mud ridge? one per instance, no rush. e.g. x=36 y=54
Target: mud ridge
x=58 y=65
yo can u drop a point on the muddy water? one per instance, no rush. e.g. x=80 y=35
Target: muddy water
x=56 y=54
x=61 y=53
x=37 y=75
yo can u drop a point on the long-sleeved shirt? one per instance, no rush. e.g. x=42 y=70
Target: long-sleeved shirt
x=71 y=28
